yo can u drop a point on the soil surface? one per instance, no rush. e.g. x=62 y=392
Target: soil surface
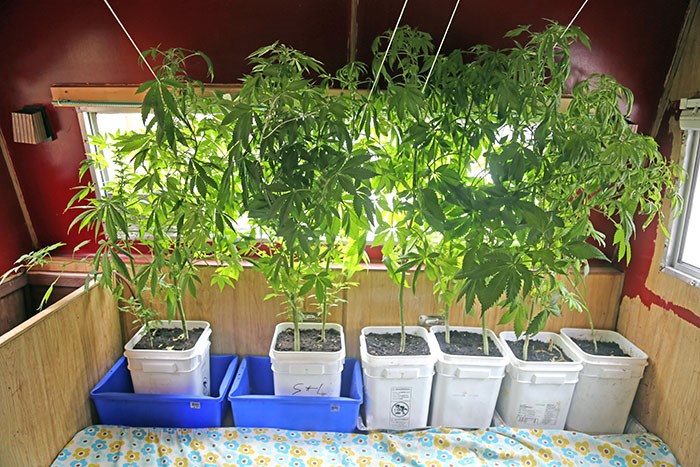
x=384 y=345
x=605 y=349
x=466 y=343
x=538 y=351
x=309 y=341
x=169 y=339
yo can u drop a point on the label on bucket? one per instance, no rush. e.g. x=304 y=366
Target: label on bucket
x=540 y=414
x=400 y=406
x=308 y=389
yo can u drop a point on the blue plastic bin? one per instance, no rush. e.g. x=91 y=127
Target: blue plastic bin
x=254 y=404
x=117 y=404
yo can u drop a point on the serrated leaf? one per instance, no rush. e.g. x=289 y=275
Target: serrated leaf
x=492 y=291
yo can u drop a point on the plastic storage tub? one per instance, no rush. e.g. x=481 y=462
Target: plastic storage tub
x=171 y=371
x=308 y=374
x=465 y=387
x=607 y=385
x=538 y=394
x=254 y=404
x=117 y=404
x=397 y=388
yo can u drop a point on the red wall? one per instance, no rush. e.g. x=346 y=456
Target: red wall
x=44 y=43
x=13 y=231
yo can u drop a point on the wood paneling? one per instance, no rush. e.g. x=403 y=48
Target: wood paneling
x=243 y=322
x=667 y=401
x=660 y=313
x=48 y=365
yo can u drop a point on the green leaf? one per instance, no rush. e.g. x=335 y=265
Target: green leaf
x=492 y=291
x=538 y=323
x=585 y=251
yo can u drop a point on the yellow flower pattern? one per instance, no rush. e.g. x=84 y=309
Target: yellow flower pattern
x=432 y=448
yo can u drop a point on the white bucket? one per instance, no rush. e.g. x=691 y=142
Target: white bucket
x=465 y=388
x=538 y=394
x=397 y=388
x=607 y=385
x=184 y=372
x=310 y=374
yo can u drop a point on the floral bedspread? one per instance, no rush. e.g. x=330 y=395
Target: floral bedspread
x=102 y=445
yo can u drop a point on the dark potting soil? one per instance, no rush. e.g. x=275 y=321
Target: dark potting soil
x=605 y=349
x=466 y=343
x=384 y=345
x=169 y=339
x=538 y=351
x=309 y=341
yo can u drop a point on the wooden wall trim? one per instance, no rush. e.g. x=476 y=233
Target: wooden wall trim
x=18 y=191
x=83 y=94
x=11 y=285
x=74 y=95
x=65 y=279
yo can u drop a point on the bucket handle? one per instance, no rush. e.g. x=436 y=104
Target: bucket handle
x=549 y=378
x=158 y=367
x=307 y=369
x=613 y=373
x=401 y=373
x=473 y=374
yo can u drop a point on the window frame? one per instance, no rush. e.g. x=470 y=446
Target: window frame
x=672 y=263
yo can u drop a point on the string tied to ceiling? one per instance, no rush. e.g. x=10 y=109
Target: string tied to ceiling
x=131 y=39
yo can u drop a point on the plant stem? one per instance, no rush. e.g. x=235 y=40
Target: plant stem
x=401 y=313
x=183 y=320
x=590 y=323
x=297 y=344
x=484 y=334
x=525 y=346
x=446 y=316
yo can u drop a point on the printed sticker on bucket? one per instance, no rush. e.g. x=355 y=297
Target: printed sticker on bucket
x=400 y=406
x=540 y=414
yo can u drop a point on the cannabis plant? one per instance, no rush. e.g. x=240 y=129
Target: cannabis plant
x=303 y=182
x=173 y=202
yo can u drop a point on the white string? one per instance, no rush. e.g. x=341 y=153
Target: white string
x=575 y=16
x=381 y=65
x=430 y=72
x=132 y=41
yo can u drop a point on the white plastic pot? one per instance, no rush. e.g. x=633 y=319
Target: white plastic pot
x=607 y=385
x=184 y=372
x=538 y=394
x=465 y=387
x=397 y=388
x=310 y=374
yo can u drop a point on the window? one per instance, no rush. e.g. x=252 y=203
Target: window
x=682 y=257
x=105 y=120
